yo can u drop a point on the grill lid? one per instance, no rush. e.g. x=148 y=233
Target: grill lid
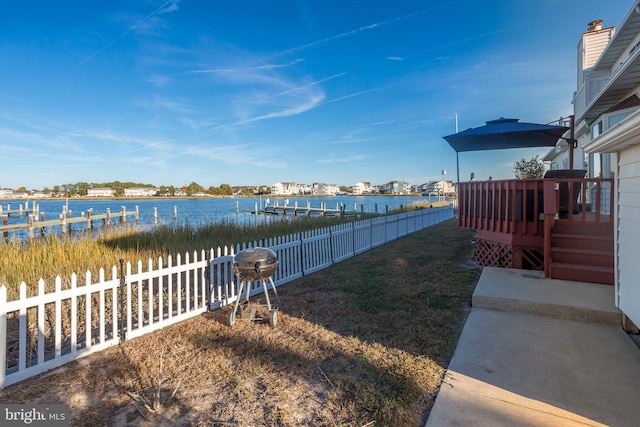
x=255 y=264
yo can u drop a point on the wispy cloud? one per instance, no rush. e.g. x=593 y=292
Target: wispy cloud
x=384 y=122
x=267 y=92
x=459 y=42
x=353 y=140
x=166 y=7
x=361 y=29
x=344 y=159
x=305 y=86
x=241 y=154
x=158 y=80
x=311 y=102
x=246 y=69
x=177 y=105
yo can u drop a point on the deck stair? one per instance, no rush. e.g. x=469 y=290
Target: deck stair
x=582 y=251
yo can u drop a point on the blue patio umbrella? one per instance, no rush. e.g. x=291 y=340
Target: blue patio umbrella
x=505 y=133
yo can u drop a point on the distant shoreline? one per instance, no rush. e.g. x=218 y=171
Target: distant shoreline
x=208 y=197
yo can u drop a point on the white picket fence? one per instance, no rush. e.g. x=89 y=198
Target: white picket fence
x=47 y=330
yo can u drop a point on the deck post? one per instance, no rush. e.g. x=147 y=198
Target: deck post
x=3 y=335
x=550 y=209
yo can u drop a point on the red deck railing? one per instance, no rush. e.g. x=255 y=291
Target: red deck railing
x=499 y=206
x=517 y=206
x=521 y=213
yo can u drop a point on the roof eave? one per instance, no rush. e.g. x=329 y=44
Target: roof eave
x=616 y=89
x=621 y=136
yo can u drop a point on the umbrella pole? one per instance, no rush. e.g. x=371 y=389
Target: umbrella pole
x=571 y=142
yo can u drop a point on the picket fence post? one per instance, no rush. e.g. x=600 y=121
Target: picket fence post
x=3 y=333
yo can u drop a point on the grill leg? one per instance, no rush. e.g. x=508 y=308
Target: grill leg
x=231 y=319
x=241 y=285
x=266 y=294
x=275 y=291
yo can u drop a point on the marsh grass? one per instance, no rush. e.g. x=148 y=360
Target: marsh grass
x=365 y=342
x=63 y=255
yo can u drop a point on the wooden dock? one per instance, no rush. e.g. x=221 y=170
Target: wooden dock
x=65 y=222
x=295 y=210
x=21 y=210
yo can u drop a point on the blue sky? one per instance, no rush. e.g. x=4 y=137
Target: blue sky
x=257 y=92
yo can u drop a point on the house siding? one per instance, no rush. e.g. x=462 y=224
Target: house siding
x=628 y=232
x=594 y=45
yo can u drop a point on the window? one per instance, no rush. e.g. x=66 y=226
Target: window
x=595 y=166
x=617 y=118
x=596 y=130
x=613 y=164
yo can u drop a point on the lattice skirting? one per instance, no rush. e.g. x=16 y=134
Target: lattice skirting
x=493 y=254
x=532 y=259
x=497 y=254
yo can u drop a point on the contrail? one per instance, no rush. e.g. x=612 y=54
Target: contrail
x=360 y=29
x=468 y=39
x=133 y=27
x=351 y=95
x=257 y=67
x=317 y=82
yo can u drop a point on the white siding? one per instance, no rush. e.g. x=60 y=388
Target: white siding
x=594 y=45
x=628 y=232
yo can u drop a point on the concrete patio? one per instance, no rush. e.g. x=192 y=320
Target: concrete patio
x=540 y=352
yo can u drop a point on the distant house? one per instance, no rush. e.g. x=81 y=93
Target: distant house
x=607 y=117
x=6 y=193
x=39 y=195
x=140 y=192
x=100 y=192
x=285 y=188
x=420 y=188
x=305 y=189
x=320 y=188
x=361 y=188
x=396 y=187
x=441 y=187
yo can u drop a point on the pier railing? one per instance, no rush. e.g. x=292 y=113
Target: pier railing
x=43 y=328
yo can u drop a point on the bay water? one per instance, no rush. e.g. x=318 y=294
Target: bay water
x=197 y=212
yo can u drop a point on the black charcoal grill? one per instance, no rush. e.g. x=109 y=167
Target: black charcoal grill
x=252 y=265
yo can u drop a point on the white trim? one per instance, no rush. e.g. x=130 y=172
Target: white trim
x=624 y=134
x=616 y=226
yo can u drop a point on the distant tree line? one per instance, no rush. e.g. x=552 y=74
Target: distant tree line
x=80 y=189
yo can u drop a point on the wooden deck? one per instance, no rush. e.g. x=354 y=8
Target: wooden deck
x=562 y=226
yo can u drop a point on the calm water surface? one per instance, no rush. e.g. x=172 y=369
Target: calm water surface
x=200 y=212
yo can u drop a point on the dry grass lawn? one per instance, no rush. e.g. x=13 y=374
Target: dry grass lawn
x=362 y=343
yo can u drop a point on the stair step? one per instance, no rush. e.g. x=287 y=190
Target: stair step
x=596 y=228
x=582 y=256
x=582 y=273
x=582 y=236
x=604 y=243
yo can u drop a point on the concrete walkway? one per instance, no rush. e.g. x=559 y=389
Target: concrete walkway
x=540 y=352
